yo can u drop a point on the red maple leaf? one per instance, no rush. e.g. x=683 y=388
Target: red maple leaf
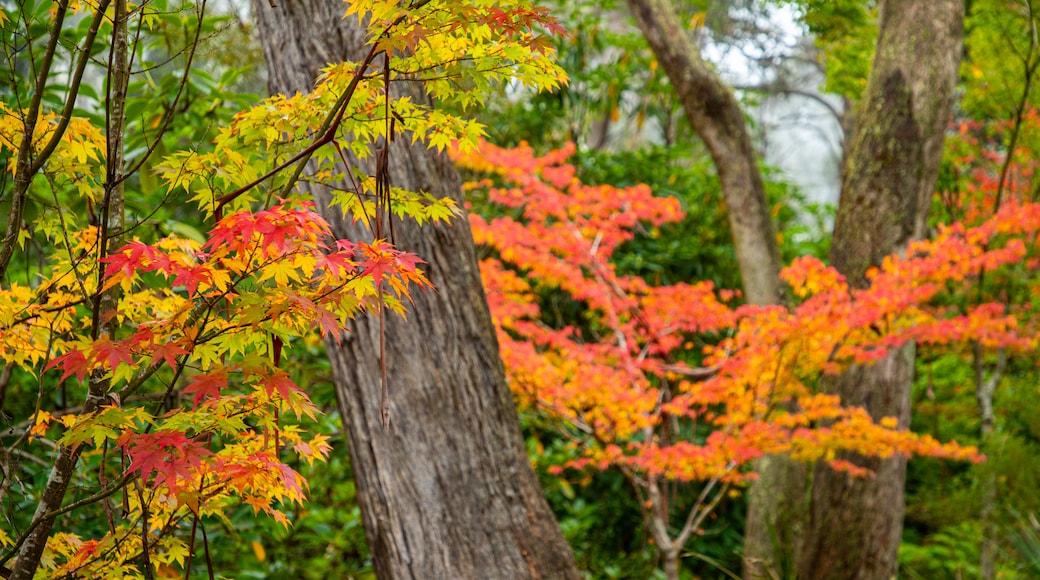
x=408 y=262
x=280 y=381
x=143 y=338
x=379 y=260
x=208 y=384
x=114 y=353
x=336 y=262
x=72 y=362
x=169 y=353
x=293 y=481
x=327 y=322
x=129 y=258
x=168 y=454
x=190 y=277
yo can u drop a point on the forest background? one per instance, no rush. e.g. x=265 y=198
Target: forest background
x=975 y=381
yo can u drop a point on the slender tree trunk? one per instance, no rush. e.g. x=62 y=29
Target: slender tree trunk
x=716 y=116
x=447 y=490
x=66 y=457
x=888 y=180
x=985 y=388
x=671 y=564
x=776 y=501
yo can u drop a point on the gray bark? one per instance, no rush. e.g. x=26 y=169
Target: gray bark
x=447 y=490
x=985 y=388
x=888 y=181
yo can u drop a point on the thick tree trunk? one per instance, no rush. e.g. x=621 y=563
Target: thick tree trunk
x=776 y=514
x=446 y=491
x=889 y=176
x=776 y=500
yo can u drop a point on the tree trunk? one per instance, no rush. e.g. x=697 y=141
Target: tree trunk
x=776 y=500
x=985 y=388
x=671 y=563
x=66 y=457
x=888 y=180
x=447 y=490
x=717 y=118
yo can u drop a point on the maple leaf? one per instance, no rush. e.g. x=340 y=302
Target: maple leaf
x=232 y=231
x=129 y=259
x=86 y=551
x=328 y=323
x=208 y=384
x=292 y=480
x=407 y=261
x=40 y=425
x=336 y=262
x=190 y=276
x=282 y=271
x=317 y=448
x=113 y=353
x=168 y=454
x=379 y=260
x=849 y=467
x=72 y=362
x=280 y=381
x=169 y=353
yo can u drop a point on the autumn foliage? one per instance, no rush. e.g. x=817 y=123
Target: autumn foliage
x=175 y=341
x=681 y=382
x=208 y=320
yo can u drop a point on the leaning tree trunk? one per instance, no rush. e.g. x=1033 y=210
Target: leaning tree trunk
x=887 y=184
x=776 y=507
x=447 y=490
x=717 y=118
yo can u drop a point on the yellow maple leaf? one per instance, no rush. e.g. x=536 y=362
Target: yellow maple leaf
x=43 y=420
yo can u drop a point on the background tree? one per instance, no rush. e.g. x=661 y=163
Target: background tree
x=618 y=381
x=989 y=161
x=888 y=182
x=924 y=127
x=774 y=514
x=629 y=127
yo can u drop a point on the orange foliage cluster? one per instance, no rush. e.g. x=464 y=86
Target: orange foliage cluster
x=623 y=383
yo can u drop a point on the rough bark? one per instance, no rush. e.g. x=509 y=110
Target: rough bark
x=776 y=500
x=887 y=184
x=446 y=491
